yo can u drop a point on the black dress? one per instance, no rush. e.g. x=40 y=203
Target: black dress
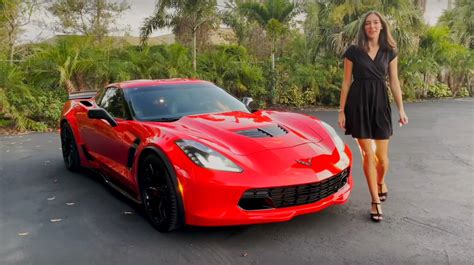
x=367 y=109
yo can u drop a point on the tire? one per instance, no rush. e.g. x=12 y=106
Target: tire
x=69 y=148
x=159 y=195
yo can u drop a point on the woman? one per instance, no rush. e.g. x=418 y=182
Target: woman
x=365 y=111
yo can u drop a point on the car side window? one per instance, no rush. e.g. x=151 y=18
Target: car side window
x=100 y=95
x=113 y=102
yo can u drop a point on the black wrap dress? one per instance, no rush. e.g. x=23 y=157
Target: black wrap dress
x=367 y=109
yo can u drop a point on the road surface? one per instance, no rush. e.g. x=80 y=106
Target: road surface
x=51 y=216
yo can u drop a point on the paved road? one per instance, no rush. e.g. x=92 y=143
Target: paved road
x=429 y=212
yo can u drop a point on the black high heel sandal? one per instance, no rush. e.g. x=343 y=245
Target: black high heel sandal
x=382 y=195
x=376 y=217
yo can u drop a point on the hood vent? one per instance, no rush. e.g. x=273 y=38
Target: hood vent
x=270 y=131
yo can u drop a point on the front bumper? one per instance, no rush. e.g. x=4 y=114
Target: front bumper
x=235 y=215
x=212 y=198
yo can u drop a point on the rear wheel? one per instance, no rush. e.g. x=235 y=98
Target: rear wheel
x=159 y=196
x=69 y=148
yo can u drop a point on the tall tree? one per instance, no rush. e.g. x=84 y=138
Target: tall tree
x=231 y=16
x=15 y=14
x=88 y=17
x=273 y=15
x=191 y=14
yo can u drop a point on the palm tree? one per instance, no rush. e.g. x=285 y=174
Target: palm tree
x=176 y=13
x=62 y=64
x=13 y=95
x=272 y=15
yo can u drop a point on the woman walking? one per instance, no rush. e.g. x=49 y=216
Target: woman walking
x=365 y=111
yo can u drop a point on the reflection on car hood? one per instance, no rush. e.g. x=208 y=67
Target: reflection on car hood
x=243 y=133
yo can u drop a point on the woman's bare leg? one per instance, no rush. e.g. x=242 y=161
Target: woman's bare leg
x=370 y=171
x=382 y=162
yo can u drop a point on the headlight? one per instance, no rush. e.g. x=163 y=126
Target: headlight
x=335 y=137
x=206 y=157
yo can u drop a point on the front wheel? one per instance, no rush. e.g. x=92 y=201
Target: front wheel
x=69 y=148
x=159 y=196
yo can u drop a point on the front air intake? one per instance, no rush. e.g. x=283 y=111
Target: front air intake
x=279 y=197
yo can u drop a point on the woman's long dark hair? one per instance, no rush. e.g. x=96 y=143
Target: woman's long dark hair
x=386 y=41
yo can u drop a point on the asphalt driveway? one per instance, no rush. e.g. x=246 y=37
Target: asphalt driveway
x=51 y=216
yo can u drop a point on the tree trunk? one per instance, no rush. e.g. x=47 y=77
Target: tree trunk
x=273 y=92
x=81 y=82
x=426 y=84
x=70 y=86
x=470 y=87
x=273 y=55
x=194 y=49
x=12 y=52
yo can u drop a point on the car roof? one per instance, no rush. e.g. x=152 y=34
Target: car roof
x=155 y=82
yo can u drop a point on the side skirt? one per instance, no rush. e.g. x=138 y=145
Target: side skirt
x=117 y=187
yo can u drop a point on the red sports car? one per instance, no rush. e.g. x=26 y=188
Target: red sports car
x=191 y=153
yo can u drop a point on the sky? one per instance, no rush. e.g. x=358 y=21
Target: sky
x=140 y=9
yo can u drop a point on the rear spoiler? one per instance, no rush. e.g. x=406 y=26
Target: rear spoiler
x=82 y=94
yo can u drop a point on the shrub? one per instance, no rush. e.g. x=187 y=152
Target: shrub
x=439 y=90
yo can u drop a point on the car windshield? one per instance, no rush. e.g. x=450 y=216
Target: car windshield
x=172 y=101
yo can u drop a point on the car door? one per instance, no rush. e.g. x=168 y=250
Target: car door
x=111 y=145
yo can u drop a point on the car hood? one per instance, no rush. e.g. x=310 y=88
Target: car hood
x=243 y=133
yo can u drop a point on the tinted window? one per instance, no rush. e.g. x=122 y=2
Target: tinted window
x=113 y=102
x=177 y=100
x=100 y=95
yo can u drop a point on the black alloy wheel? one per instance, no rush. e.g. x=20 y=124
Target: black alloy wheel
x=69 y=148
x=159 y=196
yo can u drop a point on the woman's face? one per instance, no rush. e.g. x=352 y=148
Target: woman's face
x=372 y=27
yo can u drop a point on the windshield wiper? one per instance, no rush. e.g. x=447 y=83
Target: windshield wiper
x=166 y=119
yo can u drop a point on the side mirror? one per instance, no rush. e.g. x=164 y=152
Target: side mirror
x=247 y=101
x=101 y=114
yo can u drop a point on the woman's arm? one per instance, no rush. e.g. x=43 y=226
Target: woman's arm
x=396 y=90
x=344 y=91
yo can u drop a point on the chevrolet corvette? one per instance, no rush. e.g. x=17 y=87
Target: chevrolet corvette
x=192 y=154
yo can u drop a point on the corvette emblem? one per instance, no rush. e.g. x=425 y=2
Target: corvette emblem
x=305 y=163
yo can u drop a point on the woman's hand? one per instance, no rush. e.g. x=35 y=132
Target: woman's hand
x=403 y=118
x=342 y=120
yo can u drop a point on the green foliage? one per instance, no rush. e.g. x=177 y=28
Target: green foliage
x=439 y=90
x=16 y=98
x=307 y=84
x=5 y=123
x=463 y=92
x=460 y=22
x=230 y=67
x=451 y=57
x=294 y=95
x=61 y=65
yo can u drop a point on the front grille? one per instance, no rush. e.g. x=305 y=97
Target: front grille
x=269 y=131
x=279 y=197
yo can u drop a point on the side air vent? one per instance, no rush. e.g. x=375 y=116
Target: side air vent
x=269 y=131
x=86 y=103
